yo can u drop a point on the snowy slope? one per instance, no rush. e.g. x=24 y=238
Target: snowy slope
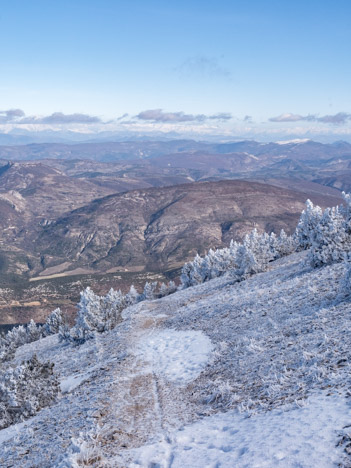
x=249 y=374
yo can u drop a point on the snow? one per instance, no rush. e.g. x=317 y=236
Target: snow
x=296 y=141
x=179 y=356
x=176 y=380
x=72 y=382
x=11 y=432
x=288 y=437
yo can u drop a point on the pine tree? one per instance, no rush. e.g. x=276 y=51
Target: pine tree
x=112 y=305
x=89 y=317
x=329 y=239
x=286 y=245
x=149 y=292
x=246 y=262
x=53 y=322
x=26 y=389
x=186 y=275
x=132 y=297
x=309 y=219
x=167 y=289
x=33 y=332
x=345 y=285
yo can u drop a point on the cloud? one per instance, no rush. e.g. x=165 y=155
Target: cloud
x=11 y=115
x=247 y=118
x=18 y=116
x=336 y=119
x=287 y=118
x=122 y=117
x=157 y=115
x=220 y=116
x=60 y=118
x=339 y=118
x=204 y=66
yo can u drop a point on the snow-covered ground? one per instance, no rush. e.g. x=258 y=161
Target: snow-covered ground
x=288 y=437
x=177 y=355
x=253 y=374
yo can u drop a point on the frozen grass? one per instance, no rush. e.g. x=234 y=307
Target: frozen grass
x=275 y=348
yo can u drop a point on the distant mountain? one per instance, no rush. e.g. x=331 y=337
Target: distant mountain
x=126 y=165
x=158 y=229
x=136 y=149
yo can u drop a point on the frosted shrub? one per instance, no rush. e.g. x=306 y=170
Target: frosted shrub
x=112 y=305
x=89 y=317
x=242 y=260
x=149 y=292
x=309 y=219
x=97 y=314
x=26 y=389
x=247 y=264
x=167 y=289
x=285 y=245
x=53 y=322
x=132 y=297
x=18 y=336
x=329 y=239
x=345 y=285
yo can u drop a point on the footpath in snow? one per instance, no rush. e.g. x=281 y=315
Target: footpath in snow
x=179 y=356
x=289 y=437
x=164 y=388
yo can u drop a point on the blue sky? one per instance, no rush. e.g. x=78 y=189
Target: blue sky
x=104 y=58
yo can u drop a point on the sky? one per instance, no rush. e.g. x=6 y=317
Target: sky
x=256 y=68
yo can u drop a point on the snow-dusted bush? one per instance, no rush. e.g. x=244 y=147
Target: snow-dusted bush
x=246 y=263
x=132 y=297
x=329 y=239
x=214 y=264
x=284 y=245
x=112 y=305
x=53 y=322
x=309 y=219
x=242 y=260
x=167 y=289
x=18 y=336
x=149 y=292
x=261 y=247
x=26 y=389
x=89 y=317
x=345 y=285
x=97 y=314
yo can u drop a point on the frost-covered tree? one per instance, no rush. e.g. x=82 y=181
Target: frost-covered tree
x=274 y=245
x=193 y=273
x=89 y=316
x=17 y=336
x=33 y=331
x=149 y=292
x=167 y=289
x=285 y=245
x=345 y=210
x=329 y=239
x=246 y=262
x=112 y=305
x=309 y=219
x=345 y=284
x=53 y=322
x=132 y=297
x=26 y=389
x=64 y=333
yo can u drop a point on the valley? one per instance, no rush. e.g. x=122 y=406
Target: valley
x=113 y=213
